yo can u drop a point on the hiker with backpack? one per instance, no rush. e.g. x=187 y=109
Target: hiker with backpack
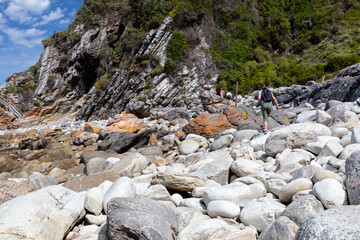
x=265 y=99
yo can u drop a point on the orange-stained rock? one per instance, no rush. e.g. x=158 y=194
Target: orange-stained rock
x=180 y=134
x=208 y=125
x=32 y=112
x=76 y=133
x=152 y=140
x=52 y=118
x=130 y=125
x=4 y=118
x=40 y=111
x=121 y=117
x=47 y=110
x=124 y=123
x=243 y=118
x=92 y=128
x=47 y=129
x=31 y=132
x=27 y=122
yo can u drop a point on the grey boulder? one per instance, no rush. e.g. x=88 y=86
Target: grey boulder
x=140 y=218
x=339 y=223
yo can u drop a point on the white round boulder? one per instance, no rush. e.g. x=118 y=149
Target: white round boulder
x=233 y=192
x=123 y=187
x=93 y=200
x=223 y=208
x=330 y=192
x=212 y=229
x=257 y=214
x=243 y=167
x=188 y=146
x=289 y=190
x=274 y=185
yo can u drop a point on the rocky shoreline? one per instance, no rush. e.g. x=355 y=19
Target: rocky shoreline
x=176 y=175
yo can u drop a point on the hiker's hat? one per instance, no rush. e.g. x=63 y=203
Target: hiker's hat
x=263 y=86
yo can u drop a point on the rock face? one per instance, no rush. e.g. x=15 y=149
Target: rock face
x=333 y=224
x=157 y=220
x=48 y=213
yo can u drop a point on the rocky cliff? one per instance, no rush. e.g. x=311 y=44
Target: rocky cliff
x=69 y=79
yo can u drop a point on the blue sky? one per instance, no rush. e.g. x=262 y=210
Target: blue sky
x=24 y=24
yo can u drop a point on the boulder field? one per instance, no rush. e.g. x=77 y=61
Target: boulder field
x=178 y=176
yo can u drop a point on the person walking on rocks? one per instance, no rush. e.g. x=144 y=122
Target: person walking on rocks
x=265 y=99
x=229 y=96
x=222 y=93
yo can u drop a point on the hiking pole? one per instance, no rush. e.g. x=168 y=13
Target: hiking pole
x=236 y=93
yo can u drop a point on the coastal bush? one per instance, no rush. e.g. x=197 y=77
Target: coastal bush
x=101 y=83
x=158 y=70
x=34 y=68
x=339 y=62
x=177 y=46
x=36 y=104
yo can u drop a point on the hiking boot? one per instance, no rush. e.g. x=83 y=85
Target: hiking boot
x=265 y=131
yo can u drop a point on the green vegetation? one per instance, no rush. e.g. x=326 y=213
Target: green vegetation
x=12 y=89
x=148 y=85
x=30 y=85
x=284 y=42
x=34 y=69
x=177 y=46
x=101 y=83
x=158 y=70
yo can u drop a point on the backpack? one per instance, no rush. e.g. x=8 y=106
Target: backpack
x=266 y=95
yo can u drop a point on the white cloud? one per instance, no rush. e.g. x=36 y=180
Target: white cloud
x=53 y=15
x=33 y=6
x=65 y=21
x=26 y=37
x=25 y=10
x=1 y=38
x=16 y=13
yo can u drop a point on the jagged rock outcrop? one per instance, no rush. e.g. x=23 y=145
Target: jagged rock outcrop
x=77 y=73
